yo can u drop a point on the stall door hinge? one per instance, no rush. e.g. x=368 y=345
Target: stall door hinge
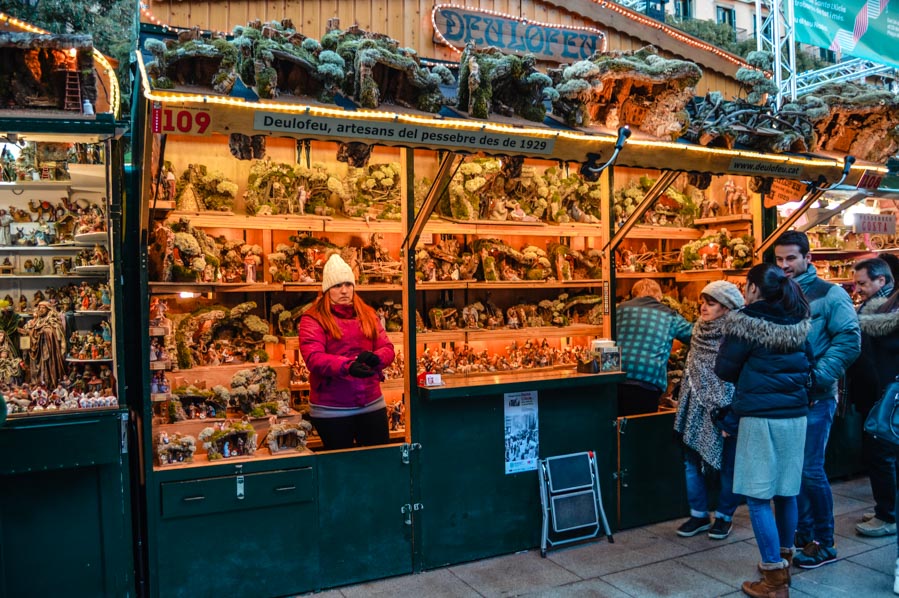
x=407 y=510
x=621 y=424
x=407 y=448
x=620 y=476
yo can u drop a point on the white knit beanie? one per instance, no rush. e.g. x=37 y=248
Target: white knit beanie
x=336 y=272
x=725 y=293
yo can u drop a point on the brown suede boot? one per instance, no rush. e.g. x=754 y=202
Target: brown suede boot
x=773 y=583
x=786 y=554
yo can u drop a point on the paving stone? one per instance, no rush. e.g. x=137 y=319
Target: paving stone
x=513 y=574
x=849 y=504
x=433 y=584
x=731 y=564
x=632 y=548
x=592 y=588
x=880 y=559
x=843 y=578
x=669 y=579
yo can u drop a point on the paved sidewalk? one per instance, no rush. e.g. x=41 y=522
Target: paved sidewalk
x=654 y=561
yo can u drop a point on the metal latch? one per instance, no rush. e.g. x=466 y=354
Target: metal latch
x=620 y=476
x=406 y=448
x=240 y=487
x=407 y=509
x=622 y=425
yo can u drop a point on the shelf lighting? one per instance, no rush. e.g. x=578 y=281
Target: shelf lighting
x=188 y=295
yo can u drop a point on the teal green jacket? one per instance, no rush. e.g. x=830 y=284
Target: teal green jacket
x=645 y=330
x=835 y=336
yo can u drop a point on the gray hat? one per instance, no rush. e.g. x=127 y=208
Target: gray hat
x=725 y=293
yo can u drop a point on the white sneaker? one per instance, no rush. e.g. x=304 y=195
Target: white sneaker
x=896 y=579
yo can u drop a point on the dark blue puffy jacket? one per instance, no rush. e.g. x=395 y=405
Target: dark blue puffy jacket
x=766 y=355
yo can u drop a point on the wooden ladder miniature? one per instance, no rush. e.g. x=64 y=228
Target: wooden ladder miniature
x=73 y=91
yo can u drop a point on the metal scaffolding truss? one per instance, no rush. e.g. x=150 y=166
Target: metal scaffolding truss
x=776 y=35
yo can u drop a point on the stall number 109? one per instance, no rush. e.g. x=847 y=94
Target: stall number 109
x=166 y=120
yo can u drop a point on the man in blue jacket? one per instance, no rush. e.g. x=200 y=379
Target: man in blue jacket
x=645 y=330
x=836 y=342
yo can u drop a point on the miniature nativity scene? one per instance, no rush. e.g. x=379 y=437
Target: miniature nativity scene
x=45 y=367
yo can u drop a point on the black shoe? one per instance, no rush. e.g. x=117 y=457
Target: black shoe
x=693 y=526
x=720 y=529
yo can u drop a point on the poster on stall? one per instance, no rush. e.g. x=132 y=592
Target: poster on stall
x=522 y=432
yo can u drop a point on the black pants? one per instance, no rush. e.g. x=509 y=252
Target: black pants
x=635 y=400
x=880 y=459
x=366 y=429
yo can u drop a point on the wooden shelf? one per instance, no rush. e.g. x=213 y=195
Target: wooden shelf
x=729 y=219
x=519 y=334
x=314 y=287
x=620 y=275
x=664 y=232
x=442 y=285
x=464 y=335
x=715 y=274
x=228 y=220
x=498 y=228
x=43 y=248
x=214 y=287
x=840 y=254
x=341 y=225
x=78 y=275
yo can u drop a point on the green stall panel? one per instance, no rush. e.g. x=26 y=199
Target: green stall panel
x=651 y=484
x=363 y=530
x=65 y=520
x=233 y=535
x=472 y=508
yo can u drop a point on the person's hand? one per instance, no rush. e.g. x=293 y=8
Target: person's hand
x=725 y=434
x=369 y=359
x=360 y=370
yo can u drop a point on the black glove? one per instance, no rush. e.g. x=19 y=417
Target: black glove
x=360 y=370
x=369 y=359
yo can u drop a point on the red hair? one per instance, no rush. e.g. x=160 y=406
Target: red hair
x=368 y=319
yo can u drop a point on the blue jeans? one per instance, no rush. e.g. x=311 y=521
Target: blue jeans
x=815 y=500
x=697 y=496
x=772 y=530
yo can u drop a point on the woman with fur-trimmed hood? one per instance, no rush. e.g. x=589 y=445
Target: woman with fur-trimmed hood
x=766 y=355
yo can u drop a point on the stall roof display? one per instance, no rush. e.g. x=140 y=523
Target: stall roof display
x=358 y=86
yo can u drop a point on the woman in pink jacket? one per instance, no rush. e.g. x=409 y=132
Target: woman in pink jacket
x=346 y=350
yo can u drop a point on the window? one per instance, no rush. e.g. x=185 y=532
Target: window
x=683 y=9
x=726 y=16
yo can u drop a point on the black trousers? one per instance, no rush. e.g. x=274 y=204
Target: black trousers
x=636 y=400
x=365 y=429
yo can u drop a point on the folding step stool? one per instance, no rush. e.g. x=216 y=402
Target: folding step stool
x=570 y=496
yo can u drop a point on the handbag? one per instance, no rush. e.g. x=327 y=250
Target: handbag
x=883 y=420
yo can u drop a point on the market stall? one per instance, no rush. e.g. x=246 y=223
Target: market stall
x=67 y=440
x=491 y=252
